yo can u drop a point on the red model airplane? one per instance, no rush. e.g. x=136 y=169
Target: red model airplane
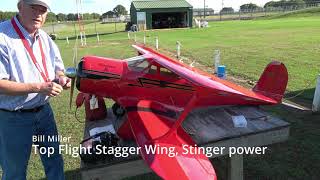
x=157 y=94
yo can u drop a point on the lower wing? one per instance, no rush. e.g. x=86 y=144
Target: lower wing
x=163 y=150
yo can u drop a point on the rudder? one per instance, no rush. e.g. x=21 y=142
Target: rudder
x=273 y=81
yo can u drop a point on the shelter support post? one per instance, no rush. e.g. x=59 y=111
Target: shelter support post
x=216 y=61
x=235 y=167
x=178 y=50
x=316 y=99
x=135 y=37
x=157 y=43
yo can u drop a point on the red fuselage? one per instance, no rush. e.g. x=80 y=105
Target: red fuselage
x=144 y=79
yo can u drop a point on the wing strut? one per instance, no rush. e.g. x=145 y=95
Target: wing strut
x=184 y=114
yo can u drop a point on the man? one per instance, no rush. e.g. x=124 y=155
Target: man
x=31 y=71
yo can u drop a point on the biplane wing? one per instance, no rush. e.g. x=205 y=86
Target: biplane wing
x=170 y=158
x=269 y=89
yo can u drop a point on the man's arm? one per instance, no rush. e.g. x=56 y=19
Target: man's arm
x=13 y=88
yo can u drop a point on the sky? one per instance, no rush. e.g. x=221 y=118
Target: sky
x=102 y=6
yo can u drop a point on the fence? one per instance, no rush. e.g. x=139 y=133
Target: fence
x=92 y=28
x=254 y=13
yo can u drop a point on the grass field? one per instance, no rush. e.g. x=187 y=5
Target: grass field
x=246 y=48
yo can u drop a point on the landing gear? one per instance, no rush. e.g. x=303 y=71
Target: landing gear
x=118 y=110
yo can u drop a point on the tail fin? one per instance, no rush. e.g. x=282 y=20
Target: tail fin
x=273 y=81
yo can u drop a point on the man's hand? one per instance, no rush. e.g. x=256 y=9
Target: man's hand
x=65 y=82
x=51 y=89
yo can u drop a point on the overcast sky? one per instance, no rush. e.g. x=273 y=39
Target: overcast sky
x=101 y=6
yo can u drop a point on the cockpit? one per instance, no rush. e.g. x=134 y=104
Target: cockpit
x=147 y=65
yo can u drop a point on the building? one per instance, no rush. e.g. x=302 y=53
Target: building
x=114 y=18
x=156 y=14
x=200 y=12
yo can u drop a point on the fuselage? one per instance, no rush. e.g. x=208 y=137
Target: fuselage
x=142 y=78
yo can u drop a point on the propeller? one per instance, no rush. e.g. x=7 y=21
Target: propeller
x=71 y=72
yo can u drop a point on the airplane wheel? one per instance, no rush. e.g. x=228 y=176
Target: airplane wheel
x=117 y=110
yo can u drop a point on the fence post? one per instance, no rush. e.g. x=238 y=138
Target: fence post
x=95 y=27
x=67 y=40
x=98 y=37
x=85 y=38
x=157 y=43
x=316 y=98
x=178 y=49
x=81 y=38
x=216 y=61
x=53 y=28
x=75 y=30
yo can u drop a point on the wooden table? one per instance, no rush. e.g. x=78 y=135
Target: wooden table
x=210 y=127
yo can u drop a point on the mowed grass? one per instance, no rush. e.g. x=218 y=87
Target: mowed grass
x=246 y=48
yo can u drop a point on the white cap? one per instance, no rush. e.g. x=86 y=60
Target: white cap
x=44 y=3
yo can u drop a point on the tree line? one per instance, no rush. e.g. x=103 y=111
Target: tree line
x=282 y=4
x=121 y=10
x=116 y=12
x=52 y=17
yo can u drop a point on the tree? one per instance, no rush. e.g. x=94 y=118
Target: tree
x=120 y=10
x=311 y=1
x=86 y=16
x=95 y=15
x=298 y=3
x=269 y=4
x=108 y=14
x=227 y=10
x=284 y=4
x=51 y=17
x=71 y=17
x=61 y=17
x=7 y=15
x=249 y=7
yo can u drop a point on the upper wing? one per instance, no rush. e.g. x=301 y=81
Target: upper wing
x=150 y=125
x=186 y=72
x=201 y=78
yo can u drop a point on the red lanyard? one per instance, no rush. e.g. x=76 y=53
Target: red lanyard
x=44 y=75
